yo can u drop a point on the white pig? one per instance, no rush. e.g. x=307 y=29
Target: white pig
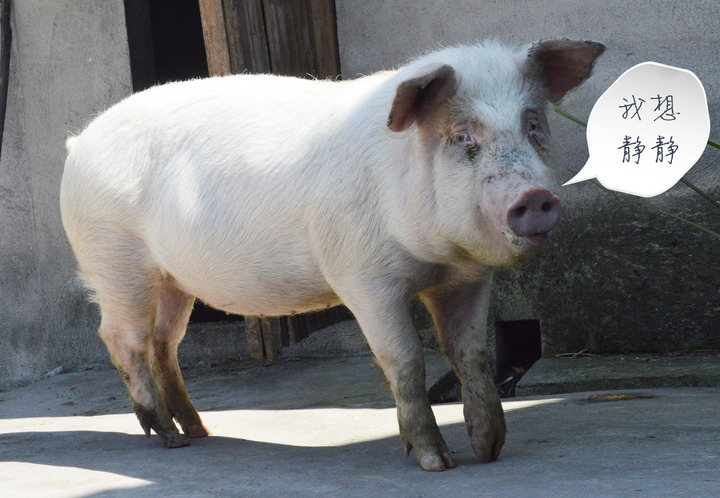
x=268 y=195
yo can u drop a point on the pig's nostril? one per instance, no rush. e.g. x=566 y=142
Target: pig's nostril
x=547 y=207
x=520 y=212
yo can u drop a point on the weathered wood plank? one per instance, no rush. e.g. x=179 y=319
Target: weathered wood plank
x=302 y=37
x=275 y=335
x=288 y=40
x=323 y=23
x=216 y=43
x=253 y=332
x=246 y=40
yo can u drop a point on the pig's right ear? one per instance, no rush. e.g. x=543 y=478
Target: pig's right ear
x=431 y=86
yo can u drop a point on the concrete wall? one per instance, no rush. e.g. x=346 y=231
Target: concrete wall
x=69 y=61
x=615 y=277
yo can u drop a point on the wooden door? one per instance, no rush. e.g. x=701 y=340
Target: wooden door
x=289 y=37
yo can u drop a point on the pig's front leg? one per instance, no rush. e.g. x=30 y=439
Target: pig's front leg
x=460 y=317
x=386 y=323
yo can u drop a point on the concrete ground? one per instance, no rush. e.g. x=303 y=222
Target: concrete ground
x=327 y=426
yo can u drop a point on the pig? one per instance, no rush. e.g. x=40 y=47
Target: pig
x=270 y=195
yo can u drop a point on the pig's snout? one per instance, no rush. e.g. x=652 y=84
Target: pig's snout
x=534 y=214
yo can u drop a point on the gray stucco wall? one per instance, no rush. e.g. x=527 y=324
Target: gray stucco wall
x=614 y=277
x=69 y=61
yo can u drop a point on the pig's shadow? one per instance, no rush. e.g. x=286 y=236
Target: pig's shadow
x=221 y=463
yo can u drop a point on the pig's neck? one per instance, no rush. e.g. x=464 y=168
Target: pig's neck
x=411 y=200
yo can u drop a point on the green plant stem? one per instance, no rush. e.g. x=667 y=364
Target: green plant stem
x=702 y=194
x=570 y=117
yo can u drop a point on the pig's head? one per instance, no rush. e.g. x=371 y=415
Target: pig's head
x=482 y=140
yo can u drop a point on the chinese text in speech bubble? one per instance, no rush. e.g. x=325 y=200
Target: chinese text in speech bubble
x=647 y=130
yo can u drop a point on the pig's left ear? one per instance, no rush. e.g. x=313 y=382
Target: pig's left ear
x=431 y=86
x=561 y=64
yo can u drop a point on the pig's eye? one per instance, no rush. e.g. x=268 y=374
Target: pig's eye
x=462 y=138
x=535 y=134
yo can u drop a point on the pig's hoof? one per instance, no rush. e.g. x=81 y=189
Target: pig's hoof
x=176 y=441
x=487 y=453
x=487 y=434
x=433 y=460
x=436 y=463
x=197 y=430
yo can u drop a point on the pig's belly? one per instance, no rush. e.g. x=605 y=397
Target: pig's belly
x=242 y=264
x=273 y=292
x=272 y=304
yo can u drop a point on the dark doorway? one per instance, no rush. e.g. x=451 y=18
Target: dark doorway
x=165 y=40
x=518 y=346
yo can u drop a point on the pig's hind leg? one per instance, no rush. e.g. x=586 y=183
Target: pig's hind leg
x=460 y=317
x=126 y=285
x=173 y=313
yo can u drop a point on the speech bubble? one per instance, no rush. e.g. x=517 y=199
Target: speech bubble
x=647 y=130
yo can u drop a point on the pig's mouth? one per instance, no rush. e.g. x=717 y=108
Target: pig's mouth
x=537 y=238
x=527 y=242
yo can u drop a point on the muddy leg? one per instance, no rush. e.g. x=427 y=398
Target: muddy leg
x=174 y=308
x=130 y=346
x=126 y=285
x=460 y=317
x=388 y=328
